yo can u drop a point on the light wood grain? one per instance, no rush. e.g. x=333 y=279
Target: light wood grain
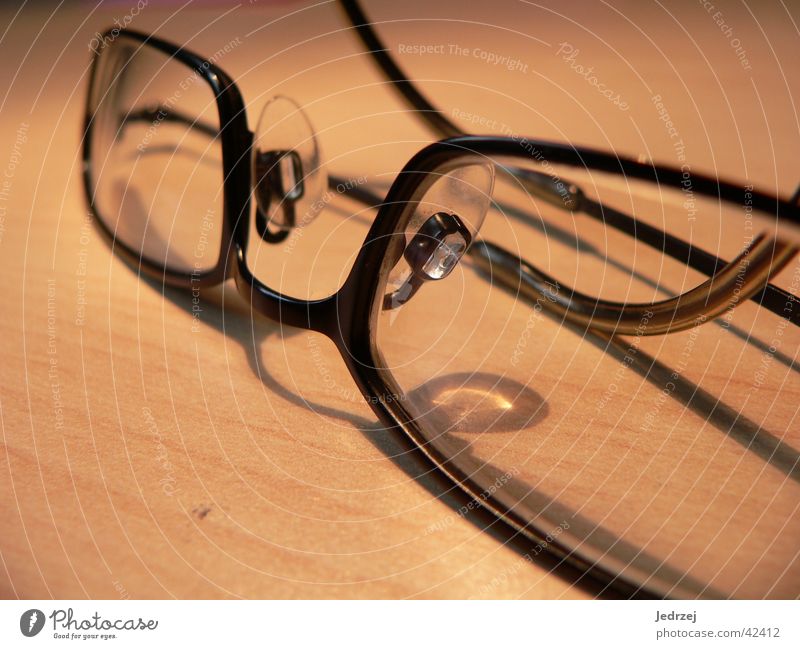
x=141 y=458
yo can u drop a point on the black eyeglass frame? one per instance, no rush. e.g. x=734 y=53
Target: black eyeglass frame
x=349 y=317
x=769 y=296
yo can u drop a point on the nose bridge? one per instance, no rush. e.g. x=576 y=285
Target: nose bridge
x=315 y=315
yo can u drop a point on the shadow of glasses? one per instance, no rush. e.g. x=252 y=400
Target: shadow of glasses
x=492 y=393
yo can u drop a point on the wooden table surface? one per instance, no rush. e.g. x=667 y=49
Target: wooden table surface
x=143 y=459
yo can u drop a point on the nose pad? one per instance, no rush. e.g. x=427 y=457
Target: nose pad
x=445 y=220
x=289 y=180
x=435 y=250
x=431 y=255
x=283 y=171
x=280 y=178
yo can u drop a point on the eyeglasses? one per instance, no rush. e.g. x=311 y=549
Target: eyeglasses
x=437 y=320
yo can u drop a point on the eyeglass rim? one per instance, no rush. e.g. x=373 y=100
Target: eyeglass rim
x=363 y=356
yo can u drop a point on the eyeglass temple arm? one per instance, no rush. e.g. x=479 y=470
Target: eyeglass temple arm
x=436 y=120
x=735 y=282
x=732 y=283
x=770 y=297
x=543 y=186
